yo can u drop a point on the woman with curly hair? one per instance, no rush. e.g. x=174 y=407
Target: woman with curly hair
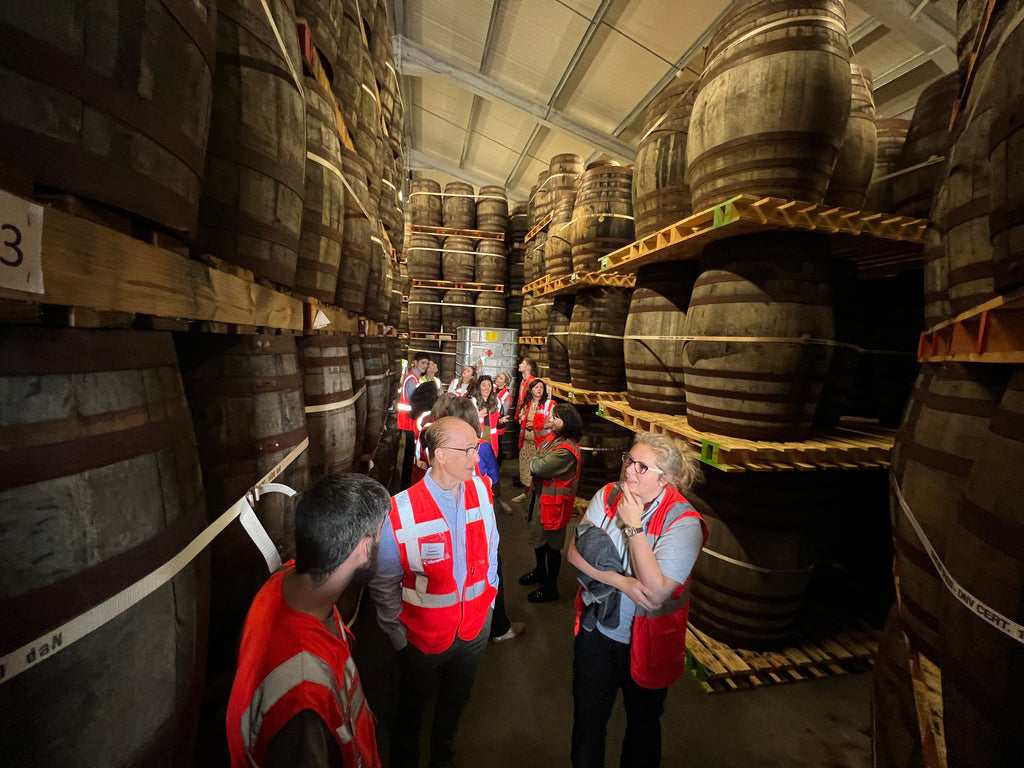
x=645 y=525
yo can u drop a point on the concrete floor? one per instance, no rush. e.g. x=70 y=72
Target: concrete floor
x=521 y=710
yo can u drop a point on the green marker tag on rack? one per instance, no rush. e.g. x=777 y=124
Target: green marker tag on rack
x=572 y=396
x=725 y=213
x=604 y=263
x=600 y=410
x=709 y=452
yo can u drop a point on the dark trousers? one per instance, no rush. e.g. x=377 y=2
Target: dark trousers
x=447 y=679
x=600 y=668
x=500 y=623
x=407 y=457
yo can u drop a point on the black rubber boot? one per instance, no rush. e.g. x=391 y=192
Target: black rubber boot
x=549 y=590
x=539 y=574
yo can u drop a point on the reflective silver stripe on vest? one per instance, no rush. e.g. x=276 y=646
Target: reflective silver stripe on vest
x=476 y=588
x=409 y=534
x=302 y=667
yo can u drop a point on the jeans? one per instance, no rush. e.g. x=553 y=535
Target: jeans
x=600 y=668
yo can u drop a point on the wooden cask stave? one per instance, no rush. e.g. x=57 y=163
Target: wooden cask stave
x=767 y=532
x=245 y=394
x=983 y=668
x=557 y=331
x=458 y=260
x=459 y=205
x=458 y=309
x=848 y=185
x=766 y=61
x=595 y=339
x=100 y=485
x=323 y=204
x=251 y=208
x=758 y=288
x=943 y=431
x=491 y=262
x=330 y=404
x=128 y=130
x=490 y=310
x=661 y=187
x=602 y=217
x=657 y=316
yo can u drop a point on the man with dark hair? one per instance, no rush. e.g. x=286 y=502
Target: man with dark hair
x=435 y=588
x=297 y=699
x=405 y=421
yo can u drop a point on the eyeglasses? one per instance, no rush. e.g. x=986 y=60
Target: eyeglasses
x=639 y=467
x=473 y=450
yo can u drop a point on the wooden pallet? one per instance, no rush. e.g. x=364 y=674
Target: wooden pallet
x=553 y=286
x=809 y=656
x=448 y=285
x=535 y=341
x=854 y=444
x=476 y=234
x=538 y=227
x=565 y=391
x=90 y=266
x=856 y=233
x=990 y=333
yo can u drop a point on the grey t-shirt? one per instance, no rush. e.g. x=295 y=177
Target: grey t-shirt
x=676 y=551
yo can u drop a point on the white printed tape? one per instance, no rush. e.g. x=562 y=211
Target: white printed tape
x=59 y=638
x=984 y=612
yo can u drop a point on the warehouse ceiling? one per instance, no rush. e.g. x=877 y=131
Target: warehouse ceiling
x=492 y=89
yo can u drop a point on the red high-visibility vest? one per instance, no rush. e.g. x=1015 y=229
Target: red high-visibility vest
x=433 y=611
x=557 y=497
x=540 y=433
x=404 y=408
x=504 y=401
x=290 y=662
x=657 y=647
x=524 y=388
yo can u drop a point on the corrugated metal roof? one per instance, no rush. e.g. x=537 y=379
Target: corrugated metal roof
x=494 y=88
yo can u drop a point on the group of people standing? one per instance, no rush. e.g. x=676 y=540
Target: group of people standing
x=431 y=557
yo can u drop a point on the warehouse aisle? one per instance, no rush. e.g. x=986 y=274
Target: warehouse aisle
x=521 y=710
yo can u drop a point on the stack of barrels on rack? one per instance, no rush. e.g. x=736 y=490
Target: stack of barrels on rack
x=123 y=444
x=956 y=461
x=456 y=255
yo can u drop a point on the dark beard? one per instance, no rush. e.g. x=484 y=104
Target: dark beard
x=365 y=572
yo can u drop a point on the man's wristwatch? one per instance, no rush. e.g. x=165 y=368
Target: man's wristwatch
x=630 y=531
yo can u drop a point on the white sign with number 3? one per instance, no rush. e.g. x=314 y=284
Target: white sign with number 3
x=21 y=244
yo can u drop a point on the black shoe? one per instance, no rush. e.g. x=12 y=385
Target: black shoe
x=545 y=594
x=517 y=482
x=533 y=577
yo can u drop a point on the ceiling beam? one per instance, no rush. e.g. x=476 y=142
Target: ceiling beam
x=585 y=41
x=415 y=160
x=696 y=47
x=921 y=29
x=485 y=63
x=414 y=60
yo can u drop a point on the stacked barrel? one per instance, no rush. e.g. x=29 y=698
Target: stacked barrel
x=450 y=249
x=295 y=189
x=956 y=484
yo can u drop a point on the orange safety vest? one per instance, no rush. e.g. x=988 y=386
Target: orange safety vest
x=557 y=497
x=290 y=662
x=540 y=417
x=433 y=611
x=657 y=648
x=405 y=421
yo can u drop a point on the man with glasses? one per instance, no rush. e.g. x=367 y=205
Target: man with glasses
x=434 y=589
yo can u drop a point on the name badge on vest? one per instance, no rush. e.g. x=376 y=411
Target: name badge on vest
x=432 y=550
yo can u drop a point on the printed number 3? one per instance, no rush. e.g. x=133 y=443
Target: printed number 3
x=13 y=245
